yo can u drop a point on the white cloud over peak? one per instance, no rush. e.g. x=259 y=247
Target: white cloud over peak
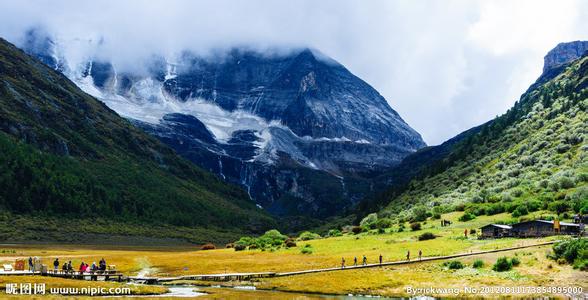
x=445 y=66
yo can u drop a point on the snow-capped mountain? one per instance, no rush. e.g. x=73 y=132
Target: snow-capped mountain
x=299 y=131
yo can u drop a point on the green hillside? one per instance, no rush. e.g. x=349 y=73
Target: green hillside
x=533 y=157
x=65 y=155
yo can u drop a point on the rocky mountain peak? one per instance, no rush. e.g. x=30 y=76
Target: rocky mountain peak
x=564 y=53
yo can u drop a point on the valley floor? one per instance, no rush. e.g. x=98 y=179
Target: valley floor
x=535 y=269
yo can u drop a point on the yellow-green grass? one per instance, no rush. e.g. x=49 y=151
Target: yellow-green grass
x=535 y=270
x=326 y=252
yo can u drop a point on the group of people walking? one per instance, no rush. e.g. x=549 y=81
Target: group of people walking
x=408 y=255
x=84 y=267
x=364 y=260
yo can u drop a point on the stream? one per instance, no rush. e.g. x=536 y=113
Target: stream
x=182 y=291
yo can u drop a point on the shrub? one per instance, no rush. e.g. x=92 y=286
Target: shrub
x=565 y=182
x=517 y=192
x=419 y=213
x=307 y=236
x=334 y=233
x=290 y=243
x=307 y=249
x=534 y=205
x=473 y=231
x=582 y=177
x=245 y=242
x=494 y=209
x=239 y=247
x=271 y=238
x=230 y=245
x=356 y=229
x=415 y=226
x=426 y=236
x=477 y=210
x=454 y=265
x=559 y=206
x=502 y=264
x=466 y=217
x=383 y=223
x=369 y=221
x=478 y=263
x=477 y=199
x=582 y=261
x=563 y=148
x=515 y=261
x=521 y=210
x=208 y=246
x=573 y=252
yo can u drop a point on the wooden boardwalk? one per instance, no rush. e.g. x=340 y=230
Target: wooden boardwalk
x=107 y=275
x=405 y=262
x=94 y=276
x=247 y=276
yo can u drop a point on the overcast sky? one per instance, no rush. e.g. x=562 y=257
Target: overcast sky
x=445 y=66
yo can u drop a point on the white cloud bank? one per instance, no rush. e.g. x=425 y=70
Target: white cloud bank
x=445 y=66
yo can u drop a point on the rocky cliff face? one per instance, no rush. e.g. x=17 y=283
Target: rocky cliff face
x=564 y=53
x=298 y=131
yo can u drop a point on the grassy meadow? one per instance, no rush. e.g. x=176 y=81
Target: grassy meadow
x=535 y=268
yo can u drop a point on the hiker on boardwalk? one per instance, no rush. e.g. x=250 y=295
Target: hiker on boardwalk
x=355 y=261
x=31 y=265
x=82 y=268
x=56 y=265
x=64 y=268
x=69 y=267
x=380 y=259
x=102 y=264
x=342 y=262
x=420 y=254
x=93 y=267
x=364 y=261
x=408 y=255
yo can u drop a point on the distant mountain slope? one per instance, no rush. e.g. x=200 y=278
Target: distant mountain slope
x=65 y=154
x=534 y=156
x=274 y=123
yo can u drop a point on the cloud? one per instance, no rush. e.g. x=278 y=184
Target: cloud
x=445 y=66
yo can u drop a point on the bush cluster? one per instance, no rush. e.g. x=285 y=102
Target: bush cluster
x=478 y=263
x=271 y=238
x=453 y=265
x=307 y=236
x=426 y=236
x=505 y=264
x=574 y=252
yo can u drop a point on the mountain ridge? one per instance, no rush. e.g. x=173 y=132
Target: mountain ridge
x=66 y=153
x=277 y=122
x=498 y=165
